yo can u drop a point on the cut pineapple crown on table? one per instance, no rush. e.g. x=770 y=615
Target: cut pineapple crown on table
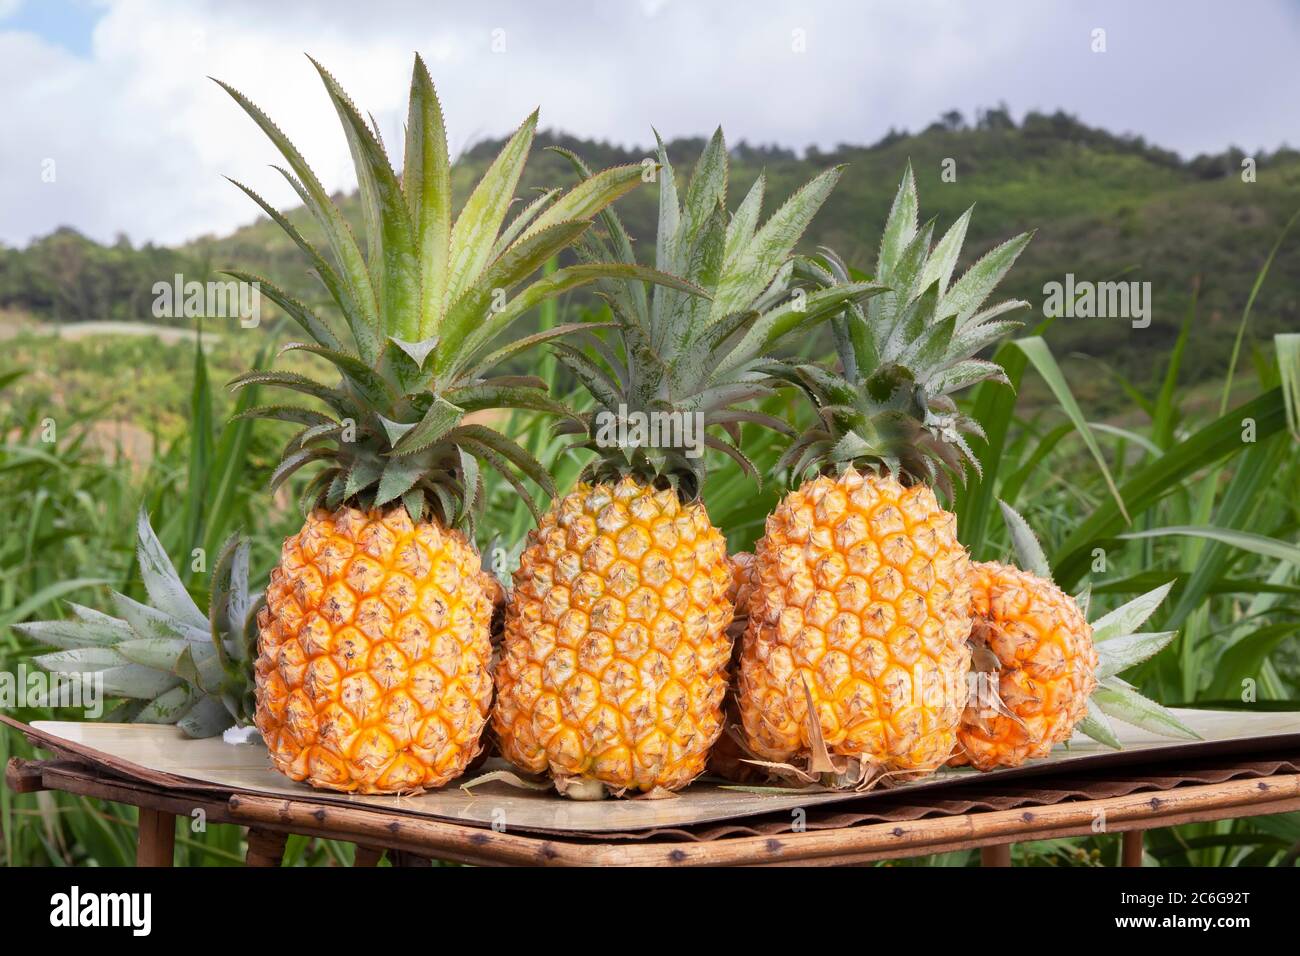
x=173 y=664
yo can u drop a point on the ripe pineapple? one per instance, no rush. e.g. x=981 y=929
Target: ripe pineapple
x=855 y=658
x=1039 y=667
x=741 y=589
x=616 y=647
x=373 y=665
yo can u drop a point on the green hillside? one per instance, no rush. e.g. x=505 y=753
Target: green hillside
x=1104 y=207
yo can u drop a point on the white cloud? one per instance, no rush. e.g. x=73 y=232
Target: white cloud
x=140 y=137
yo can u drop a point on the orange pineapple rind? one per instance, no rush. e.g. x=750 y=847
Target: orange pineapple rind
x=615 y=651
x=860 y=615
x=372 y=669
x=1035 y=668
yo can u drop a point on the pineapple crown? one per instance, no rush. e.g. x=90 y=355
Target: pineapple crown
x=173 y=664
x=904 y=353
x=695 y=351
x=1120 y=645
x=422 y=308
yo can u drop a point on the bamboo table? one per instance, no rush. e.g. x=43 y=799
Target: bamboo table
x=990 y=818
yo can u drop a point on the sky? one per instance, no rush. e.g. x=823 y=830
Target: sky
x=109 y=124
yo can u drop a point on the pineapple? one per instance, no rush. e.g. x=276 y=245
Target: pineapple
x=741 y=589
x=616 y=649
x=373 y=666
x=855 y=657
x=1040 y=669
x=170 y=662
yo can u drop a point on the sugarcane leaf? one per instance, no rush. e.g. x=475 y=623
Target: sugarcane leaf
x=1287 y=346
x=1245 y=540
x=1040 y=356
x=1203 y=448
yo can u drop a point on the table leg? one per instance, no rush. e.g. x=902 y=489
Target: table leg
x=155 y=838
x=1132 y=853
x=265 y=847
x=368 y=855
x=403 y=858
x=999 y=855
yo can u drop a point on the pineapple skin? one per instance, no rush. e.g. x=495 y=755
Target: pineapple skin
x=373 y=667
x=862 y=596
x=1048 y=667
x=615 y=654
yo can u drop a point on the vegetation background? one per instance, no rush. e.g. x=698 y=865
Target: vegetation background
x=103 y=407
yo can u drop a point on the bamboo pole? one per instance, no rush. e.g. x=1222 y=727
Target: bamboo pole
x=1234 y=798
x=1132 y=850
x=156 y=838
